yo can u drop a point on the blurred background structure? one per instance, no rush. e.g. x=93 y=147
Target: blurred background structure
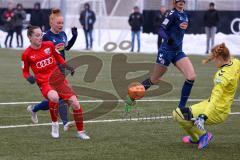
x=112 y=18
x=114 y=13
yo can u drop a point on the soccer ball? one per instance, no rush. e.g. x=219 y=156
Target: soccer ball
x=136 y=90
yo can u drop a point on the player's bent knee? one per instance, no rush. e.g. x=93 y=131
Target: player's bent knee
x=191 y=77
x=53 y=96
x=73 y=102
x=75 y=105
x=55 y=99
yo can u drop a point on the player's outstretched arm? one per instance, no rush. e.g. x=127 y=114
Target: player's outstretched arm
x=73 y=39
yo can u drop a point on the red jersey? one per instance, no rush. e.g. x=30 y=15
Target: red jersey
x=43 y=61
x=8 y=14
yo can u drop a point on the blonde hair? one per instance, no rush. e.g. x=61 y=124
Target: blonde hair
x=55 y=13
x=218 y=51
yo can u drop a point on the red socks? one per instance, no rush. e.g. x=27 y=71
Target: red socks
x=53 y=108
x=78 y=117
x=77 y=114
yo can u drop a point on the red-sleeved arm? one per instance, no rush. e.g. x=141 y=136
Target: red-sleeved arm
x=25 y=66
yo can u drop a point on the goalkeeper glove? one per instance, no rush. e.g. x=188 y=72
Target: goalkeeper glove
x=199 y=122
x=31 y=79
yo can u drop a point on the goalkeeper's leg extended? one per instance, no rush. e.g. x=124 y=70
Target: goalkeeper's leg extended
x=196 y=135
x=183 y=117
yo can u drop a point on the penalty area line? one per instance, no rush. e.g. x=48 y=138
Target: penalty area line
x=100 y=121
x=101 y=101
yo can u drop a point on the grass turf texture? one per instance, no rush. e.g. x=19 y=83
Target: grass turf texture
x=143 y=139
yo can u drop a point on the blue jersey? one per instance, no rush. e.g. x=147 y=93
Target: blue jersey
x=174 y=26
x=59 y=40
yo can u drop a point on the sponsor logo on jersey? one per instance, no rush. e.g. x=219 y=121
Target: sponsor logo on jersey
x=165 y=22
x=45 y=62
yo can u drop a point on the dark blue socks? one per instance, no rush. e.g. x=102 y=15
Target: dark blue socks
x=186 y=90
x=63 y=107
x=41 y=106
x=147 y=83
x=63 y=113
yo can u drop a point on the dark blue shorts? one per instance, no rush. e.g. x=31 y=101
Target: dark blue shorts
x=166 y=57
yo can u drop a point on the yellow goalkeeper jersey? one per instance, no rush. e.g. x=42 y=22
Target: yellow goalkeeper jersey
x=225 y=85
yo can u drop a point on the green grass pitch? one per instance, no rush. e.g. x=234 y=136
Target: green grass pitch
x=142 y=139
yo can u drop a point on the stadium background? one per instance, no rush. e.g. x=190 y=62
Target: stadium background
x=112 y=26
x=152 y=134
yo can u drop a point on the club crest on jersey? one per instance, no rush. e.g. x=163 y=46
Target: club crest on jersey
x=218 y=80
x=32 y=57
x=47 y=51
x=165 y=22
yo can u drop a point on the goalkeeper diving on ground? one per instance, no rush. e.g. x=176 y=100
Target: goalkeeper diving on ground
x=216 y=109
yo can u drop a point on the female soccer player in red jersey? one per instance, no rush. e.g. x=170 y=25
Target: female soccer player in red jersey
x=42 y=58
x=60 y=40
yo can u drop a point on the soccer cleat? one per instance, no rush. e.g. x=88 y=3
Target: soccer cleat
x=204 y=140
x=55 y=130
x=68 y=125
x=83 y=135
x=188 y=140
x=129 y=102
x=34 y=117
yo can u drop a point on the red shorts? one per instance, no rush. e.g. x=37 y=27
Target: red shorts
x=63 y=89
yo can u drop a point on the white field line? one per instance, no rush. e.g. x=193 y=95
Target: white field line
x=101 y=121
x=100 y=101
x=92 y=121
